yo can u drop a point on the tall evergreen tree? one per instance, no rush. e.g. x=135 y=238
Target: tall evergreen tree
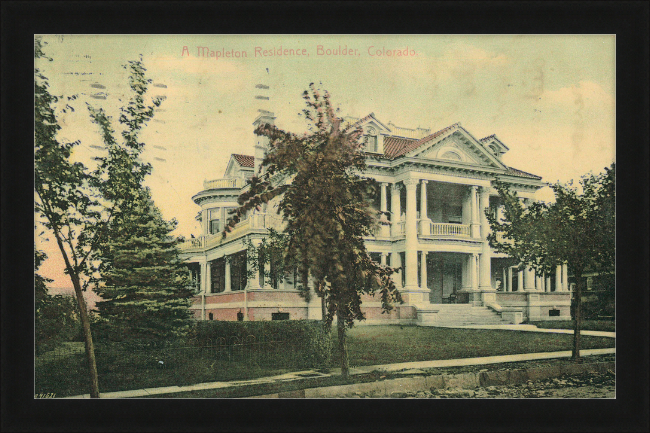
x=327 y=208
x=144 y=285
x=141 y=280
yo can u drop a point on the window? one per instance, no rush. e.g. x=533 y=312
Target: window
x=279 y=316
x=238 y=276
x=213 y=218
x=553 y=312
x=218 y=275
x=371 y=144
x=451 y=155
x=211 y=316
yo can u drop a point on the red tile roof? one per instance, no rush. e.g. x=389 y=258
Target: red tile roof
x=409 y=145
x=515 y=172
x=394 y=145
x=244 y=160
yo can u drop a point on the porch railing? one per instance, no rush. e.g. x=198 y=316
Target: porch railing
x=223 y=183
x=444 y=229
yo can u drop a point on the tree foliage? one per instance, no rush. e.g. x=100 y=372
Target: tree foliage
x=145 y=287
x=578 y=229
x=143 y=284
x=327 y=209
x=65 y=201
x=56 y=317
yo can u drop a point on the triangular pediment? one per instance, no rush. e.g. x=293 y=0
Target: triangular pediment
x=456 y=146
x=370 y=122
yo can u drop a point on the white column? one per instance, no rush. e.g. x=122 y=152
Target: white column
x=411 y=235
x=504 y=281
x=208 y=278
x=384 y=230
x=485 y=282
x=395 y=208
x=538 y=283
x=565 y=277
x=558 y=278
x=474 y=221
x=467 y=206
x=473 y=261
x=423 y=270
x=520 y=281
x=529 y=279
x=204 y=277
x=548 y=283
x=227 y=276
x=425 y=226
x=383 y=259
x=510 y=279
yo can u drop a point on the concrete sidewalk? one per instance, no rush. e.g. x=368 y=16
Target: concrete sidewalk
x=353 y=371
x=532 y=328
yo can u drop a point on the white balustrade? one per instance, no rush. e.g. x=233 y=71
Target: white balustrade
x=444 y=229
x=236 y=182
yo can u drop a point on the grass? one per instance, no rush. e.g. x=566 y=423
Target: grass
x=587 y=325
x=367 y=345
x=375 y=345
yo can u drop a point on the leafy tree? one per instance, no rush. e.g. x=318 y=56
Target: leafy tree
x=56 y=317
x=143 y=284
x=326 y=207
x=145 y=287
x=65 y=202
x=578 y=229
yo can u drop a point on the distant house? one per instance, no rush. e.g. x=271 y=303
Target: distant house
x=436 y=186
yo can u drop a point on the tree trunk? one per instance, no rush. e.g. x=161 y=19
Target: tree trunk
x=323 y=307
x=343 y=349
x=85 y=322
x=88 y=338
x=577 y=316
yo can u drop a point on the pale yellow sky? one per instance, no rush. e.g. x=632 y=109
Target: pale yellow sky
x=550 y=99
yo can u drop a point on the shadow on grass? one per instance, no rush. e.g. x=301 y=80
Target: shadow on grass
x=367 y=345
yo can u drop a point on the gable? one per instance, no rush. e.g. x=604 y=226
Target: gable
x=455 y=145
x=238 y=164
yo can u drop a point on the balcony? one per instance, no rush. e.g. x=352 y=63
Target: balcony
x=232 y=183
x=428 y=228
x=256 y=221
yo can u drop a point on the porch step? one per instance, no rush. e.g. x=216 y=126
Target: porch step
x=458 y=315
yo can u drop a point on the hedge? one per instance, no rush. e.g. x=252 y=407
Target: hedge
x=308 y=339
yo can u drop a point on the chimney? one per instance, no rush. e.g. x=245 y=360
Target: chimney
x=264 y=116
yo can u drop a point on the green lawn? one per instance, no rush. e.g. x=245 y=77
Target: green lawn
x=372 y=345
x=587 y=325
x=367 y=345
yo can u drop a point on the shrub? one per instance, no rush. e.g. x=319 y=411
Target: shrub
x=308 y=340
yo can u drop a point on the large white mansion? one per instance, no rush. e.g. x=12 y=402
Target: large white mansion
x=436 y=186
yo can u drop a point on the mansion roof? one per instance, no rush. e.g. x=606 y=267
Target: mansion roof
x=244 y=160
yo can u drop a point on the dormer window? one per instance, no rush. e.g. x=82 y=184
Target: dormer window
x=372 y=144
x=494 y=150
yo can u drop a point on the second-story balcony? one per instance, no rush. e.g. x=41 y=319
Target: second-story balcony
x=256 y=222
x=235 y=182
x=431 y=229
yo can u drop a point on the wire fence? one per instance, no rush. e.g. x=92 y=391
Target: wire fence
x=122 y=367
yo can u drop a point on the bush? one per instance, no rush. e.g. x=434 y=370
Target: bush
x=308 y=339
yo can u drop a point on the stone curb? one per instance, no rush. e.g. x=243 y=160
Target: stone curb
x=398 y=387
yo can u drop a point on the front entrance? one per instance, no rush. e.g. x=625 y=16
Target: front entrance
x=444 y=277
